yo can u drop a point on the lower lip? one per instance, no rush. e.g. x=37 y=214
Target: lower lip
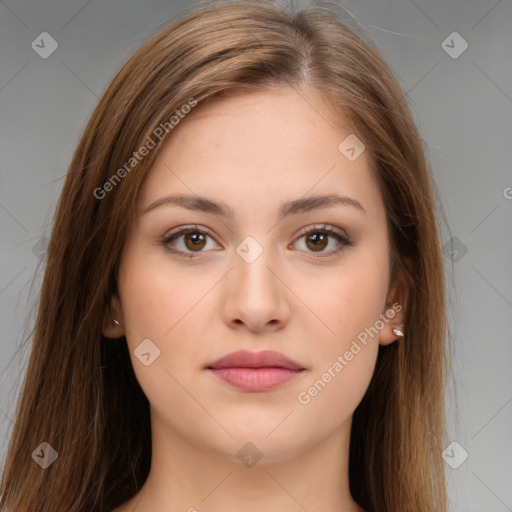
x=256 y=379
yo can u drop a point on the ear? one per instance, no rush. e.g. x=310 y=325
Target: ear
x=396 y=305
x=114 y=312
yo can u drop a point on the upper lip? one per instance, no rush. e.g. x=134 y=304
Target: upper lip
x=262 y=359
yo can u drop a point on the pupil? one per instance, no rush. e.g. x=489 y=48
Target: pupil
x=317 y=239
x=195 y=238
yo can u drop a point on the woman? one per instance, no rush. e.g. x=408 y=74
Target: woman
x=243 y=306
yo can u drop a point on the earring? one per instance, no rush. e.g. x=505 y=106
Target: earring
x=115 y=321
x=397 y=332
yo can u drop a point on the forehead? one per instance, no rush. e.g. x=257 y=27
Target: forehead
x=258 y=149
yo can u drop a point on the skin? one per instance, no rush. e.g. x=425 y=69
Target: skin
x=253 y=152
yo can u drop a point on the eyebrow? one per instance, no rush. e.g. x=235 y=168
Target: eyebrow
x=297 y=206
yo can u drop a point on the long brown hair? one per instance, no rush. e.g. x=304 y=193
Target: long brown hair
x=80 y=393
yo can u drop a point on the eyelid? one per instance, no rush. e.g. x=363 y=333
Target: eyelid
x=323 y=227
x=190 y=228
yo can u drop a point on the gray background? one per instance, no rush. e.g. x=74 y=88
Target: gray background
x=463 y=107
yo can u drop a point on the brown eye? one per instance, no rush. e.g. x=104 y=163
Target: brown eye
x=195 y=240
x=317 y=241
x=189 y=242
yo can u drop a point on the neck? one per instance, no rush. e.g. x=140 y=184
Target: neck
x=187 y=477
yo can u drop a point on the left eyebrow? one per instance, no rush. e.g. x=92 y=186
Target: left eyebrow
x=294 y=207
x=307 y=204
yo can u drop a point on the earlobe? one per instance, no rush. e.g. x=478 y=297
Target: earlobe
x=394 y=329
x=390 y=333
x=113 y=325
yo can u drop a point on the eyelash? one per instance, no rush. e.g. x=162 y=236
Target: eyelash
x=324 y=229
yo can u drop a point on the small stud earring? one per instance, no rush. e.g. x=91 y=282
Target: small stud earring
x=115 y=321
x=397 y=332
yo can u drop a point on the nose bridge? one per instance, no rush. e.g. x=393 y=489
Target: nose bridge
x=252 y=262
x=256 y=297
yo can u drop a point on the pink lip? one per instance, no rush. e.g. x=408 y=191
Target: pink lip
x=255 y=371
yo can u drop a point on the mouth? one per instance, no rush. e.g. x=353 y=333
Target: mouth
x=255 y=371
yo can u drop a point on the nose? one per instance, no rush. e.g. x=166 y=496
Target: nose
x=256 y=296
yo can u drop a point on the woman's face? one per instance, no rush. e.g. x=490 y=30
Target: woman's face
x=262 y=269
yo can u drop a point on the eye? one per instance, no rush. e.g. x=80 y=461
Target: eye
x=317 y=239
x=194 y=240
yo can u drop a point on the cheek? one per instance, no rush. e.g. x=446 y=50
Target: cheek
x=153 y=298
x=147 y=312
x=161 y=307
x=333 y=394
x=349 y=305
x=347 y=302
